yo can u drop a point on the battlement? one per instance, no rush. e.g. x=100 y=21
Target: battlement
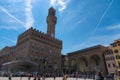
x=38 y=36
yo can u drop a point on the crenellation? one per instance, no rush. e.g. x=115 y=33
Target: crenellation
x=46 y=38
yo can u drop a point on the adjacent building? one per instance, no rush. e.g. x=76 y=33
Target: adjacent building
x=88 y=61
x=112 y=57
x=115 y=47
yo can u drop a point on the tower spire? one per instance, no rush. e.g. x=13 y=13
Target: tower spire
x=51 y=22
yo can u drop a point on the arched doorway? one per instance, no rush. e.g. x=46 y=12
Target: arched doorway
x=95 y=63
x=73 y=66
x=83 y=64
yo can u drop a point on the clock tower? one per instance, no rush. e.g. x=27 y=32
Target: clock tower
x=51 y=22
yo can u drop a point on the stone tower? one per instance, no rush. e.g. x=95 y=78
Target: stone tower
x=51 y=22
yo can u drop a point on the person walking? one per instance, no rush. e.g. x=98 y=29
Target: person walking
x=54 y=76
x=35 y=77
x=39 y=77
x=10 y=77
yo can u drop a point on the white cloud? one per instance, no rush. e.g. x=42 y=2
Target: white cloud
x=12 y=21
x=101 y=18
x=28 y=14
x=104 y=40
x=61 y=4
x=15 y=1
x=29 y=17
x=80 y=46
x=52 y=2
x=113 y=27
x=8 y=39
x=10 y=27
x=80 y=21
x=10 y=15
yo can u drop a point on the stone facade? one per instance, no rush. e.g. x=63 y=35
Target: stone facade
x=110 y=60
x=34 y=51
x=89 y=60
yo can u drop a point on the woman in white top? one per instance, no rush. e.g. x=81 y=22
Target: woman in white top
x=115 y=76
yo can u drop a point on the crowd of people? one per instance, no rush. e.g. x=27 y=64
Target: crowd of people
x=43 y=78
x=98 y=76
x=39 y=77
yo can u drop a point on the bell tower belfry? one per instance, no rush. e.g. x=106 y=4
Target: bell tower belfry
x=51 y=22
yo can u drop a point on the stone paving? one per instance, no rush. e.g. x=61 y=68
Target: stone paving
x=26 y=78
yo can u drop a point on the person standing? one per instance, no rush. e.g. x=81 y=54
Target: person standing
x=43 y=78
x=99 y=76
x=64 y=77
x=29 y=76
x=21 y=77
x=9 y=77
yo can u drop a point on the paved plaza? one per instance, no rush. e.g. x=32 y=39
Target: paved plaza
x=26 y=78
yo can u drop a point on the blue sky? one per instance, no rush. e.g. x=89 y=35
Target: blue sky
x=80 y=23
